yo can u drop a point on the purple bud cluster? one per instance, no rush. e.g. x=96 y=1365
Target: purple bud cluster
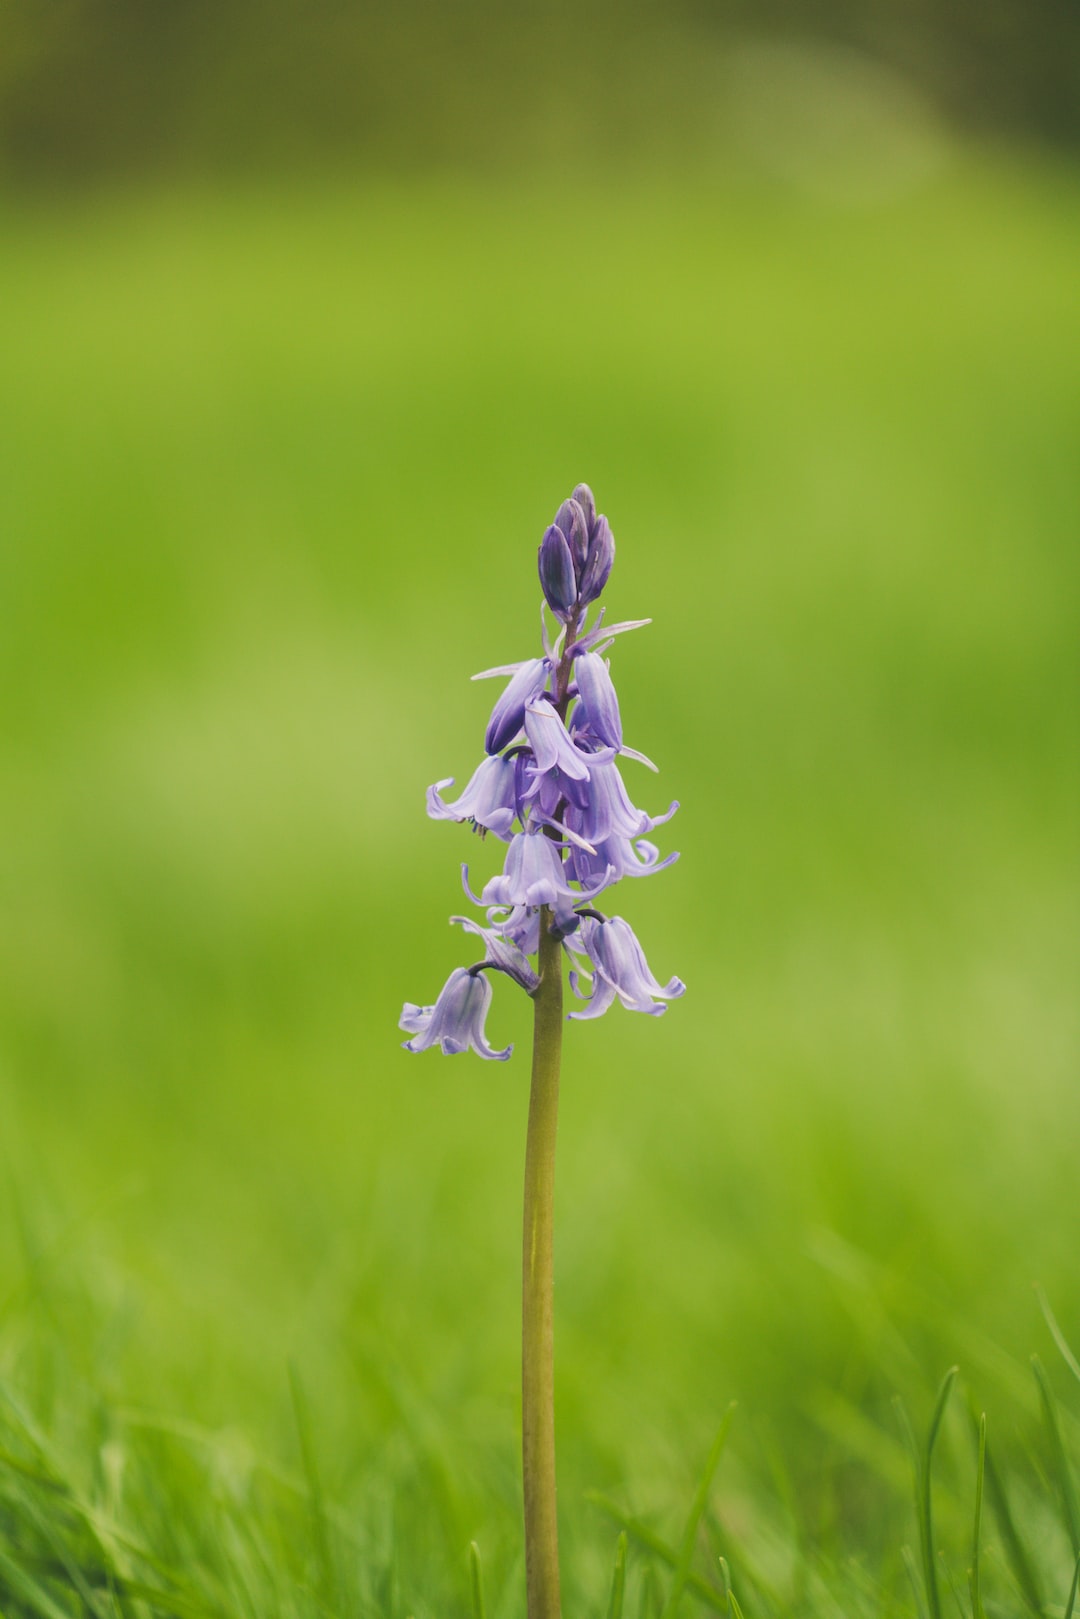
x=576 y=555
x=550 y=788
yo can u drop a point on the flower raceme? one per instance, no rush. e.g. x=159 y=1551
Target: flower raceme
x=550 y=788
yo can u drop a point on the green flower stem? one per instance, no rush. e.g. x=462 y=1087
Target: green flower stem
x=537 y=1358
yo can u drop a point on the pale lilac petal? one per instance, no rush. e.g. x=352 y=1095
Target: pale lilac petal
x=642 y=759
x=600 y=997
x=586 y=643
x=624 y=856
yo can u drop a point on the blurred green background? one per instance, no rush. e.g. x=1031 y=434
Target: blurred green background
x=294 y=375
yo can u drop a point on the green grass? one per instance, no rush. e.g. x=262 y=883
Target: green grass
x=274 y=468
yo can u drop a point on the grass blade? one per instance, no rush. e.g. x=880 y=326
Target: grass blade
x=476 y=1581
x=732 y=1600
x=1071 y=1604
x=618 y=1579
x=1061 y=1461
x=1017 y=1557
x=912 y=1568
x=697 y=1512
x=650 y=1541
x=1056 y=1333
x=26 y=1590
x=319 y=1526
x=976 y=1536
x=926 y=1519
x=907 y=1432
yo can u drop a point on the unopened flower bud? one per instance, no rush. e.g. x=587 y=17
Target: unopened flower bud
x=586 y=500
x=601 y=555
x=575 y=525
x=558 y=579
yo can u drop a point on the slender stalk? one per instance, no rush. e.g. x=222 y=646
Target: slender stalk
x=537 y=1356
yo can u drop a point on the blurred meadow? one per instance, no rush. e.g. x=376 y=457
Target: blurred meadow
x=277 y=445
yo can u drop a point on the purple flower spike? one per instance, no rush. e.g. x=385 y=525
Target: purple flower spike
x=558 y=579
x=456 y=1021
x=490 y=800
x=598 y=699
x=550 y=788
x=620 y=970
x=508 y=714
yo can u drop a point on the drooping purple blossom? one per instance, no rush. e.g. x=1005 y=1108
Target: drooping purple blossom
x=550 y=788
x=608 y=812
x=619 y=969
x=490 y=800
x=553 y=747
x=456 y=1021
x=535 y=874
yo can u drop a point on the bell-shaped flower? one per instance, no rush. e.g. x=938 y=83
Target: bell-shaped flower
x=607 y=811
x=528 y=680
x=619 y=969
x=597 y=699
x=534 y=874
x=552 y=745
x=456 y=1021
x=490 y=800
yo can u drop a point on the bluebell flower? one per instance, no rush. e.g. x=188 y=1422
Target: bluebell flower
x=534 y=874
x=490 y=800
x=456 y=1021
x=607 y=811
x=619 y=969
x=553 y=747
